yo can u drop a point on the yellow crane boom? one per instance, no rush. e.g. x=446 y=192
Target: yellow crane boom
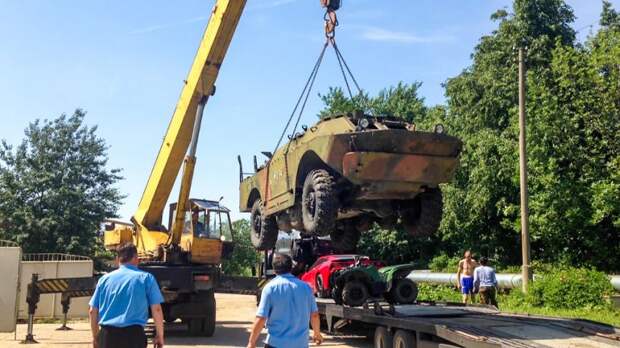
x=198 y=86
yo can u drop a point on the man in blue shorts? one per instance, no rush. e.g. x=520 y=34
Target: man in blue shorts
x=465 y=277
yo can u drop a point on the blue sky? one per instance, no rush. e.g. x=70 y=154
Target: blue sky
x=125 y=61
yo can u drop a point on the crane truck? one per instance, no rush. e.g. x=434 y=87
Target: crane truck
x=185 y=257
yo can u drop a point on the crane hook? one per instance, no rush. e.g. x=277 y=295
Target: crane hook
x=331 y=20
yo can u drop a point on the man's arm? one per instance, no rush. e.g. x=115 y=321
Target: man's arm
x=93 y=315
x=158 y=318
x=458 y=274
x=257 y=327
x=315 y=321
x=476 y=278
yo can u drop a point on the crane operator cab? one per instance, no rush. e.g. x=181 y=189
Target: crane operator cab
x=207 y=231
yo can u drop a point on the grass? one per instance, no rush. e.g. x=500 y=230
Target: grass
x=514 y=302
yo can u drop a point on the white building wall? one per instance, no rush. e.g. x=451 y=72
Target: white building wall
x=10 y=258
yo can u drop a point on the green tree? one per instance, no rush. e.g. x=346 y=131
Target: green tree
x=55 y=188
x=244 y=256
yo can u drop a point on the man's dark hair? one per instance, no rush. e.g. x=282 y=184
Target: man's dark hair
x=484 y=260
x=126 y=252
x=282 y=263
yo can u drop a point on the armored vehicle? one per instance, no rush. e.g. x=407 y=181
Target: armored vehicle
x=346 y=172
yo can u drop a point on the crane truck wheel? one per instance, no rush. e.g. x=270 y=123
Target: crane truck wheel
x=319 y=205
x=345 y=239
x=422 y=215
x=382 y=338
x=264 y=228
x=204 y=326
x=404 y=339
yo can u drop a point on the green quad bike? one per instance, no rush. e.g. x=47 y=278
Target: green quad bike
x=346 y=172
x=355 y=285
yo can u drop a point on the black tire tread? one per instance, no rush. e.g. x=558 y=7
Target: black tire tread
x=324 y=187
x=430 y=214
x=266 y=238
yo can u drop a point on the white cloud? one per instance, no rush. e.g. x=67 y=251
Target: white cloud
x=385 y=35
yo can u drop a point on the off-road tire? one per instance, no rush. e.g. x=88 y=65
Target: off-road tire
x=204 y=326
x=319 y=204
x=403 y=339
x=404 y=291
x=422 y=215
x=382 y=338
x=354 y=293
x=345 y=239
x=264 y=229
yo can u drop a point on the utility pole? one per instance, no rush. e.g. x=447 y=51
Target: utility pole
x=526 y=274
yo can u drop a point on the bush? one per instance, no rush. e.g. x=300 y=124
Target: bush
x=444 y=263
x=570 y=287
x=428 y=292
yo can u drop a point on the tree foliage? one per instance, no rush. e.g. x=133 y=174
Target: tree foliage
x=55 y=188
x=573 y=139
x=244 y=256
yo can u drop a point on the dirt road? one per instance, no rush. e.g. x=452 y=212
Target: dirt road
x=235 y=314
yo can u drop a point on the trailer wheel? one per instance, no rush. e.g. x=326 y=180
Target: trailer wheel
x=264 y=229
x=405 y=291
x=404 y=339
x=382 y=338
x=319 y=205
x=354 y=293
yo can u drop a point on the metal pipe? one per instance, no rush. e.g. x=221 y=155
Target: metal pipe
x=505 y=280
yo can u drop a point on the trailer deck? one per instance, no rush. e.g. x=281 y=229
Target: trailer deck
x=454 y=325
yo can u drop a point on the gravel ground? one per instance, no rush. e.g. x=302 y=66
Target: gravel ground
x=235 y=315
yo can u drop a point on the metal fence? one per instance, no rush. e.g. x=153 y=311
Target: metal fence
x=8 y=243
x=53 y=257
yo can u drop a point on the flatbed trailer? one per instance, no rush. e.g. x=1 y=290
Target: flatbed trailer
x=450 y=325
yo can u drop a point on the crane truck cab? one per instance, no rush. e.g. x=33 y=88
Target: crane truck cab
x=206 y=238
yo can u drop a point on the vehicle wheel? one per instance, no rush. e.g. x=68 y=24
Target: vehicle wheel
x=421 y=216
x=344 y=240
x=354 y=293
x=264 y=228
x=404 y=339
x=382 y=338
x=320 y=290
x=319 y=206
x=204 y=326
x=405 y=291
x=168 y=318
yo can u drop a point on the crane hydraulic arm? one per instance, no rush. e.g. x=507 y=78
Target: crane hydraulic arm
x=184 y=128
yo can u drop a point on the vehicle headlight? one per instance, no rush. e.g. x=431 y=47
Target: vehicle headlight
x=223 y=238
x=439 y=129
x=363 y=123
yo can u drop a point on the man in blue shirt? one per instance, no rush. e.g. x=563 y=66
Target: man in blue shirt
x=486 y=282
x=287 y=305
x=121 y=302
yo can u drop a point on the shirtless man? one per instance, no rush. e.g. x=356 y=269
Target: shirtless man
x=465 y=276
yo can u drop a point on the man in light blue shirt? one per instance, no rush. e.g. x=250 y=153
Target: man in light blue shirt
x=287 y=305
x=486 y=282
x=121 y=302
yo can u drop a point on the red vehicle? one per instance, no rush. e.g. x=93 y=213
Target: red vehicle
x=318 y=275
